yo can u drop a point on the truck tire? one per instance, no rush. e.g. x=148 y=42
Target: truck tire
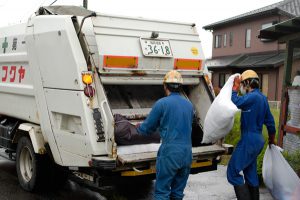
x=29 y=165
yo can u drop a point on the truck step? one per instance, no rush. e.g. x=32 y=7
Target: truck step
x=7 y=154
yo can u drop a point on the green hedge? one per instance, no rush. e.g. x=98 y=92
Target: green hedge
x=293 y=159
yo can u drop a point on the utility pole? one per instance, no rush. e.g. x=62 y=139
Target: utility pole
x=85 y=4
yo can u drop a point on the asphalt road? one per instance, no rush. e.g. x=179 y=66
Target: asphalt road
x=208 y=186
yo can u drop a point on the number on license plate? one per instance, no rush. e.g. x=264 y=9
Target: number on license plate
x=157 y=48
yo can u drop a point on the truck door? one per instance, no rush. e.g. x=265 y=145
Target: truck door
x=66 y=118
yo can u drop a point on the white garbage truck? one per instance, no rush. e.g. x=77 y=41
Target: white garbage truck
x=67 y=71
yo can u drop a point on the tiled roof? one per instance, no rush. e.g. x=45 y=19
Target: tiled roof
x=255 y=60
x=286 y=7
x=222 y=61
x=291 y=6
x=276 y=60
x=272 y=59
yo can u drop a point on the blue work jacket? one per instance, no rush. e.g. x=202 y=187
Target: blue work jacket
x=173 y=115
x=255 y=112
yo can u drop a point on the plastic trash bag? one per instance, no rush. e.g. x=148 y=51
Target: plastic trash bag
x=279 y=177
x=220 y=116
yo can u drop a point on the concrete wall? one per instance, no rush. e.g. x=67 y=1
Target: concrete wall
x=239 y=32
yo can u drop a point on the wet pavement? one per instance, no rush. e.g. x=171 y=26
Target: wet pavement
x=214 y=186
x=208 y=186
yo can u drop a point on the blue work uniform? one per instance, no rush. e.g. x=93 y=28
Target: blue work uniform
x=173 y=116
x=255 y=112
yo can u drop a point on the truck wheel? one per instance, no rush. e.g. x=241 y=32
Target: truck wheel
x=28 y=165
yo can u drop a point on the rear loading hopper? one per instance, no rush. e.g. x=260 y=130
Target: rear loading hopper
x=132 y=58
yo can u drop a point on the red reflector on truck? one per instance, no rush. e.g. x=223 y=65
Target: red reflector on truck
x=120 y=61
x=187 y=64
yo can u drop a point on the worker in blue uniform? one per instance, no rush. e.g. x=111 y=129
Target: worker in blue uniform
x=173 y=115
x=255 y=112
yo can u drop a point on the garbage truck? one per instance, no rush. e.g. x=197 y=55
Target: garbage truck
x=67 y=71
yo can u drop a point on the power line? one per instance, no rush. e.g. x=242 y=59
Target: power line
x=53 y=2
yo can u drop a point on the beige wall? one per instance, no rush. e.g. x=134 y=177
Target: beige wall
x=272 y=87
x=280 y=82
x=271 y=75
x=239 y=31
x=295 y=68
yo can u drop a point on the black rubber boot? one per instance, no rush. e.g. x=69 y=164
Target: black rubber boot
x=175 y=198
x=254 y=192
x=242 y=192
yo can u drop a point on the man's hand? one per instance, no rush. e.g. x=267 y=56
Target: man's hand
x=236 y=83
x=271 y=139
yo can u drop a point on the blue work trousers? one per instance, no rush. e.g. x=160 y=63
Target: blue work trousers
x=244 y=160
x=172 y=171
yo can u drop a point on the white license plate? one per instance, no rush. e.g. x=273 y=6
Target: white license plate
x=156 y=48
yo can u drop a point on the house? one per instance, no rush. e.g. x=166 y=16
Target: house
x=236 y=47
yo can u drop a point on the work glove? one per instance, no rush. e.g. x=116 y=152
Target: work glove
x=271 y=139
x=236 y=83
x=137 y=125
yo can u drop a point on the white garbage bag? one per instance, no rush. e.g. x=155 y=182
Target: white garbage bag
x=279 y=177
x=220 y=116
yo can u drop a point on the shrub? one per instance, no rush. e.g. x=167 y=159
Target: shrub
x=260 y=159
x=293 y=159
x=234 y=135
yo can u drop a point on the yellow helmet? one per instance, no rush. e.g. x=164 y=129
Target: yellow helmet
x=248 y=74
x=173 y=76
